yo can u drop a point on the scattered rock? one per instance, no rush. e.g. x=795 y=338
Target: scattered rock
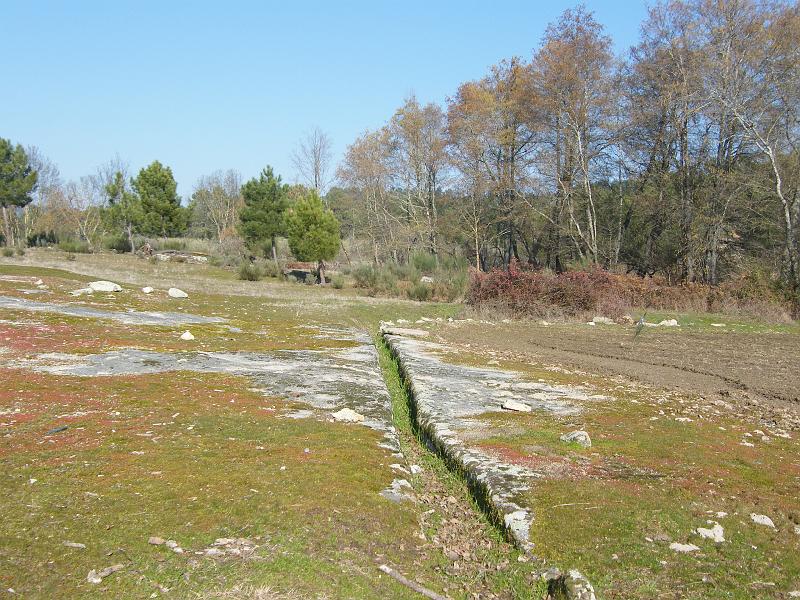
x=406 y=332
x=603 y=321
x=105 y=286
x=147 y=290
x=156 y=541
x=416 y=470
x=797 y=529
x=669 y=323
x=187 y=335
x=516 y=406
x=678 y=547
x=762 y=520
x=347 y=415
x=578 y=437
x=715 y=533
x=75 y=545
x=176 y=293
x=98 y=576
x=173 y=545
x=426 y=279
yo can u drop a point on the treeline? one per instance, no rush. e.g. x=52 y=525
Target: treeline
x=680 y=158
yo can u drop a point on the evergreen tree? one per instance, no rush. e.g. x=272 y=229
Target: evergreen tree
x=162 y=213
x=261 y=219
x=313 y=231
x=124 y=208
x=17 y=181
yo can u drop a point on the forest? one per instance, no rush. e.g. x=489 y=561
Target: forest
x=679 y=159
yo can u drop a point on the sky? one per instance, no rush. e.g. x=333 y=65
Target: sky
x=203 y=86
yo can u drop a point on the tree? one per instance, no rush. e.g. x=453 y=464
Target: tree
x=216 y=202
x=17 y=182
x=312 y=159
x=261 y=219
x=162 y=213
x=313 y=232
x=124 y=208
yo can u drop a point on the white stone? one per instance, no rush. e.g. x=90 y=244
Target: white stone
x=81 y=292
x=187 y=335
x=105 y=286
x=797 y=529
x=406 y=332
x=147 y=290
x=715 y=533
x=794 y=594
x=347 y=415
x=579 y=437
x=426 y=279
x=603 y=321
x=762 y=520
x=516 y=406
x=677 y=547
x=669 y=323
x=176 y=293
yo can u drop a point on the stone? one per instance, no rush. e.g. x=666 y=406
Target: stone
x=603 y=321
x=516 y=406
x=578 y=437
x=762 y=520
x=147 y=290
x=187 y=336
x=75 y=545
x=176 y=293
x=669 y=323
x=426 y=279
x=156 y=541
x=678 y=547
x=347 y=415
x=406 y=332
x=98 y=576
x=105 y=286
x=797 y=529
x=716 y=533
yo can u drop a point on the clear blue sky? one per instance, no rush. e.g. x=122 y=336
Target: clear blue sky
x=202 y=86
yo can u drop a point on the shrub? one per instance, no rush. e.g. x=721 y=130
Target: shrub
x=420 y=292
x=423 y=261
x=270 y=269
x=20 y=251
x=365 y=276
x=8 y=252
x=337 y=281
x=118 y=243
x=74 y=247
x=250 y=272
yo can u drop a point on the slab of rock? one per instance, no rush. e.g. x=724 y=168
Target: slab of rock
x=105 y=286
x=762 y=520
x=81 y=292
x=578 y=437
x=77 y=545
x=669 y=323
x=156 y=541
x=516 y=406
x=176 y=293
x=347 y=415
x=678 y=547
x=187 y=336
x=147 y=290
x=716 y=534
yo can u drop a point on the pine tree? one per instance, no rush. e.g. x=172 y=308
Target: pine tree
x=313 y=232
x=261 y=219
x=162 y=213
x=17 y=181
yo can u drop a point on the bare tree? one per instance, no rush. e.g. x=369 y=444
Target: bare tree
x=216 y=201
x=312 y=160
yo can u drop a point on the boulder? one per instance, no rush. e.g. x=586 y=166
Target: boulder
x=579 y=437
x=677 y=547
x=715 y=534
x=147 y=290
x=669 y=323
x=105 y=286
x=187 y=335
x=176 y=293
x=516 y=406
x=347 y=415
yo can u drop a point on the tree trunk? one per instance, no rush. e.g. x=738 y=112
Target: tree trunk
x=275 y=254
x=321 y=269
x=9 y=234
